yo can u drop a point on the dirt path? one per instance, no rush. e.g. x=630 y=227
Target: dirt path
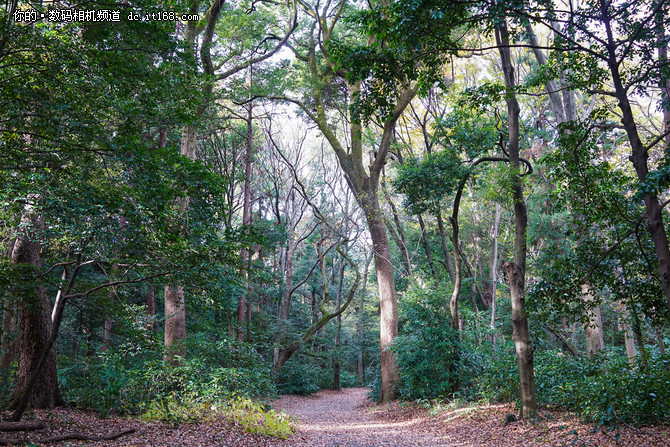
x=347 y=418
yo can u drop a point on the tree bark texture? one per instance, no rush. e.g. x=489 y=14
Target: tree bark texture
x=516 y=270
x=458 y=270
x=629 y=341
x=593 y=328
x=445 y=246
x=175 y=321
x=494 y=270
x=34 y=330
x=8 y=341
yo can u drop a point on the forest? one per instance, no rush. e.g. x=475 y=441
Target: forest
x=442 y=205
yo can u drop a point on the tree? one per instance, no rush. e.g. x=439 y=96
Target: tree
x=230 y=64
x=516 y=270
x=623 y=45
x=382 y=86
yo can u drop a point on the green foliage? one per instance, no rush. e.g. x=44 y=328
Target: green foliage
x=489 y=374
x=605 y=389
x=374 y=375
x=179 y=409
x=427 y=347
x=134 y=378
x=401 y=50
x=297 y=377
x=465 y=134
x=254 y=418
x=425 y=183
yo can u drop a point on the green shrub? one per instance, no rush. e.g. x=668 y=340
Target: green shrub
x=254 y=418
x=296 y=377
x=427 y=348
x=605 y=389
x=175 y=409
x=130 y=380
x=374 y=376
x=490 y=375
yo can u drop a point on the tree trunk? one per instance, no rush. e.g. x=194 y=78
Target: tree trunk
x=8 y=341
x=625 y=326
x=106 y=333
x=658 y=333
x=388 y=301
x=426 y=248
x=639 y=157
x=34 y=330
x=360 y=364
x=175 y=307
x=445 y=246
x=593 y=328
x=516 y=270
x=458 y=271
x=175 y=322
x=150 y=303
x=364 y=184
x=494 y=272
x=639 y=338
x=665 y=81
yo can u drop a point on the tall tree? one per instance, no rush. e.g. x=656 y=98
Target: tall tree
x=175 y=310
x=516 y=270
x=382 y=87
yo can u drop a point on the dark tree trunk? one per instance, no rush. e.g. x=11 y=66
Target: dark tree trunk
x=445 y=246
x=150 y=303
x=34 y=332
x=458 y=271
x=8 y=342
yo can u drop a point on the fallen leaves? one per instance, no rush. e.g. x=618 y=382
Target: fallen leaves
x=348 y=419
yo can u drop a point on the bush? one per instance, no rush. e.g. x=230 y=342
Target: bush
x=490 y=375
x=132 y=380
x=427 y=349
x=374 y=375
x=605 y=389
x=296 y=377
x=254 y=418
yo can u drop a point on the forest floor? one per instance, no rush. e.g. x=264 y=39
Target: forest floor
x=348 y=418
